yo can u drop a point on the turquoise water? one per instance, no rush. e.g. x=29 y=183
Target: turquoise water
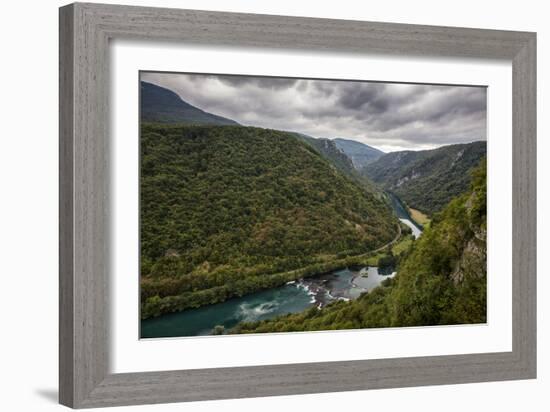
x=293 y=297
x=256 y=306
x=404 y=216
x=370 y=278
x=398 y=207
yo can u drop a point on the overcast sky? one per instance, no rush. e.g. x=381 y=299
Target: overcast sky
x=384 y=115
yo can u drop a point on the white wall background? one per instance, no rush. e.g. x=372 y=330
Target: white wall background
x=28 y=207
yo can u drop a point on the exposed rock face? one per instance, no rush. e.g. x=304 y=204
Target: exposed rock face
x=473 y=261
x=172 y=253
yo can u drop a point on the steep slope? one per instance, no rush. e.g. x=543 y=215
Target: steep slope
x=427 y=180
x=229 y=210
x=442 y=279
x=359 y=153
x=330 y=151
x=164 y=106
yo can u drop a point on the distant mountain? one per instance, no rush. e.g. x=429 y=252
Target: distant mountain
x=427 y=180
x=359 y=153
x=161 y=105
x=330 y=151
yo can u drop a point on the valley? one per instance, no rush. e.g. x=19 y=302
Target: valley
x=427 y=180
x=232 y=210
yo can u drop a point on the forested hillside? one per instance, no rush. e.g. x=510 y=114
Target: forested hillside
x=161 y=105
x=441 y=280
x=427 y=180
x=229 y=210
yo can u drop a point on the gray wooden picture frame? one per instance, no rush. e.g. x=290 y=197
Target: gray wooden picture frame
x=85 y=31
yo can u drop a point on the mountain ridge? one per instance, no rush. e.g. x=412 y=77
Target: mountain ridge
x=329 y=150
x=162 y=105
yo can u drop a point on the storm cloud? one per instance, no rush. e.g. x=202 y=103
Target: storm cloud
x=389 y=116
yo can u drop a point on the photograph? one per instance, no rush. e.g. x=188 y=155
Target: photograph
x=283 y=205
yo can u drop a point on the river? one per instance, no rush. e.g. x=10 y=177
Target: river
x=344 y=284
x=404 y=216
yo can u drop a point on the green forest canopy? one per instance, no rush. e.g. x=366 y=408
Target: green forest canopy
x=229 y=210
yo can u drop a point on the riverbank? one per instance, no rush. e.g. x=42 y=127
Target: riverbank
x=369 y=277
x=416 y=231
x=293 y=297
x=419 y=217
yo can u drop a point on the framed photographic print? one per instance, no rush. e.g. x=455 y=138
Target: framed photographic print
x=257 y=205
x=242 y=225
